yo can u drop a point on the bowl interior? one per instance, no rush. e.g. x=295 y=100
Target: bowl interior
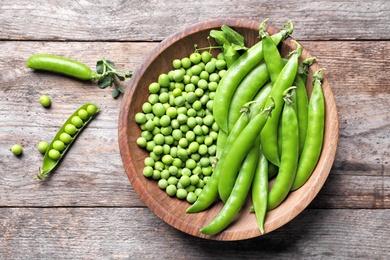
x=172 y=210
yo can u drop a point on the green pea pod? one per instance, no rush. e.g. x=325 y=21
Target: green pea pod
x=234 y=75
x=61 y=65
x=49 y=163
x=272 y=57
x=235 y=155
x=238 y=194
x=285 y=80
x=315 y=133
x=210 y=192
x=259 y=100
x=246 y=91
x=260 y=191
x=302 y=110
x=289 y=158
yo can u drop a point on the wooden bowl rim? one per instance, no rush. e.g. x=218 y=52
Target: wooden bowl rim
x=315 y=183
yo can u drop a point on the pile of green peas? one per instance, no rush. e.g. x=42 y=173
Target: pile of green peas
x=177 y=125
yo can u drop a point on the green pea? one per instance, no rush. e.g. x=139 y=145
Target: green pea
x=154 y=87
x=195 y=57
x=191 y=197
x=178 y=75
x=158 y=109
x=204 y=75
x=83 y=114
x=162 y=184
x=162 y=81
x=206 y=56
x=148 y=171
x=176 y=63
x=146 y=107
x=58 y=145
x=65 y=138
x=171 y=190
x=167 y=159
x=220 y=64
x=163 y=98
x=185 y=180
x=181 y=193
x=196 y=70
x=153 y=99
x=70 y=129
x=186 y=62
x=16 y=149
x=149 y=161
x=45 y=100
x=214 y=77
x=54 y=154
x=92 y=109
x=42 y=146
x=77 y=121
x=212 y=86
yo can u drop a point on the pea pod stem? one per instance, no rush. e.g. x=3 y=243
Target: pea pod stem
x=234 y=75
x=50 y=164
x=315 y=133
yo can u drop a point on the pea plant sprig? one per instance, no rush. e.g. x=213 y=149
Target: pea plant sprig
x=110 y=76
x=106 y=75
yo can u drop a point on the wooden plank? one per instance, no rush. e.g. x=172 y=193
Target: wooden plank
x=92 y=172
x=155 y=20
x=123 y=233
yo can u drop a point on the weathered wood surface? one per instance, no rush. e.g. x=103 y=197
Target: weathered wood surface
x=88 y=209
x=120 y=233
x=154 y=20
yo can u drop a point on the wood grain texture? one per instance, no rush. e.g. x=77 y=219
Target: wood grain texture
x=89 y=210
x=117 y=20
x=122 y=233
x=97 y=178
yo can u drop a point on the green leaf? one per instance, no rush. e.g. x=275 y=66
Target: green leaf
x=115 y=93
x=219 y=37
x=100 y=67
x=230 y=51
x=232 y=36
x=238 y=47
x=105 y=82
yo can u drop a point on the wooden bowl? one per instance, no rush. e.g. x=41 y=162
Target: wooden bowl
x=172 y=210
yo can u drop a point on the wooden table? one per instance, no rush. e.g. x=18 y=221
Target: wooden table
x=89 y=210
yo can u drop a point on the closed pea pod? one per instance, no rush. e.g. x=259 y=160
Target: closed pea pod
x=246 y=91
x=233 y=76
x=302 y=100
x=315 y=133
x=272 y=57
x=260 y=190
x=289 y=156
x=235 y=155
x=238 y=195
x=285 y=80
x=61 y=65
x=53 y=156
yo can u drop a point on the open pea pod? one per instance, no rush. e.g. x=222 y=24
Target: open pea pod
x=66 y=136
